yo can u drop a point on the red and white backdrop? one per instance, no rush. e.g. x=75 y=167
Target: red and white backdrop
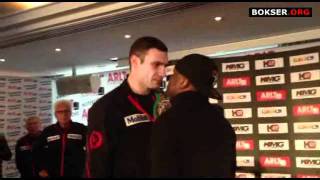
x=109 y=81
x=21 y=98
x=273 y=104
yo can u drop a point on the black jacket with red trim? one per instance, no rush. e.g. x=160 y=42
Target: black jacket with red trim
x=24 y=159
x=119 y=135
x=5 y=153
x=61 y=152
x=193 y=139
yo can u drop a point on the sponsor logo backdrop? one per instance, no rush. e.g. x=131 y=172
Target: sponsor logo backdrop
x=273 y=104
x=21 y=98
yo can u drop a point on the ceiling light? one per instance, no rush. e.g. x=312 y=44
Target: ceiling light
x=2 y=60
x=57 y=49
x=127 y=36
x=33 y=4
x=218 y=18
x=114 y=58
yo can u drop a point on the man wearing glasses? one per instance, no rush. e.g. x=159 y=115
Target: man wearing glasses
x=60 y=149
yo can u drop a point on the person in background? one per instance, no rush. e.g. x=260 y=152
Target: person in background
x=120 y=122
x=60 y=149
x=192 y=138
x=5 y=153
x=24 y=159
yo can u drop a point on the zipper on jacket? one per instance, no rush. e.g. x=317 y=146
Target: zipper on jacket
x=62 y=153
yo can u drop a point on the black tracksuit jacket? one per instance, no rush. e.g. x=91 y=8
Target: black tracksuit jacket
x=24 y=159
x=5 y=153
x=193 y=139
x=119 y=134
x=61 y=152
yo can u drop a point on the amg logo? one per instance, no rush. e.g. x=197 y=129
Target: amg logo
x=273 y=128
x=306 y=92
x=274 y=144
x=310 y=162
x=305 y=76
x=237 y=113
x=269 y=63
x=270 y=79
x=235 y=66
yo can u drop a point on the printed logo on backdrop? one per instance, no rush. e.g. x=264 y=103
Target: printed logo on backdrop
x=275 y=175
x=245 y=161
x=304 y=59
x=30 y=100
x=275 y=161
x=306 y=127
x=306 y=110
x=271 y=95
x=242 y=128
x=117 y=76
x=14 y=100
x=269 y=63
x=308 y=176
x=236 y=97
x=244 y=175
x=236 y=66
x=277 y=111
x=270 y=79
x=273 y=128
x=13 y=120
x=274 y=145
x=307 y=145
x=238 y=113
x=30 y=87
x=231 y=82
x=304 y=76
x=28 y=94
x=308 y=162
x=305 y=93
x=245 y=145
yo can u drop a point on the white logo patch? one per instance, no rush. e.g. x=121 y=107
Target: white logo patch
x=74 y=136
x=135 y=119
x=53 y=138
x=25 y=148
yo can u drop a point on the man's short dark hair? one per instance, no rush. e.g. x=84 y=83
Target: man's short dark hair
x=143 y=44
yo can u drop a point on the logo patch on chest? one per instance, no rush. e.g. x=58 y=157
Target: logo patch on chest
x=74 y=136
x=53 y=138
x=25 y=148
x=135 y=119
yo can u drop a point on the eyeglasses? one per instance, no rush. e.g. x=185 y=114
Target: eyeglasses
x=63 y=111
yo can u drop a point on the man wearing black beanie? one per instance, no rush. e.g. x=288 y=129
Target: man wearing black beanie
x=193 y=139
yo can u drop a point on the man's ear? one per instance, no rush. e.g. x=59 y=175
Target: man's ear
x=184 y=82
x=134 y=59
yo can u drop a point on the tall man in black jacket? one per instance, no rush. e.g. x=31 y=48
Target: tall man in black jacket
x=193 y=139
x=120 y=122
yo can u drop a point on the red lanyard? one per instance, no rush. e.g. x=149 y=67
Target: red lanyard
x=140 y=108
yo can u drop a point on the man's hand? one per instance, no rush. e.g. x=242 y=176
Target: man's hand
x=43 y=173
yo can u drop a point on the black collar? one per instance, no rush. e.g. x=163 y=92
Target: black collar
x=189 y=98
